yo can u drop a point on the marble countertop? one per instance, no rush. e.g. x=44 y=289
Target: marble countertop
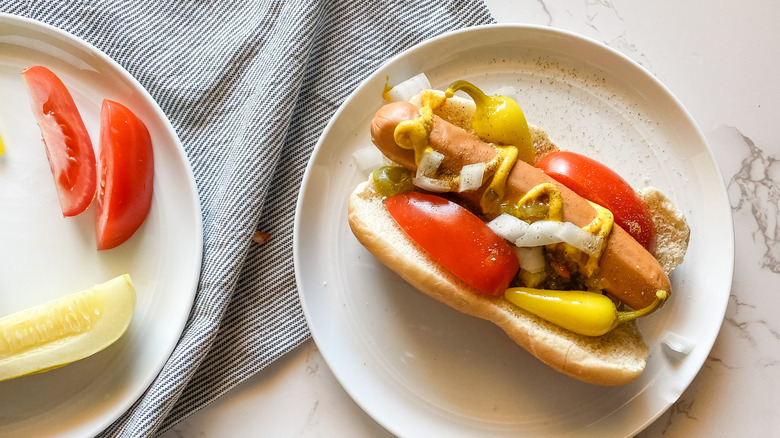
x=722 y=61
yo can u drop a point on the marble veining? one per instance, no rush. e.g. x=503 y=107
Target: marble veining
x=682 y=408
x=718 y=366
x=743 y=315
x=603 y=18
x=543 y=4
x=756 y=188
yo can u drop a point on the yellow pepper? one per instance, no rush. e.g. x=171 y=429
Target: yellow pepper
x=2 y=147
x=498 y=119
x=586 y=313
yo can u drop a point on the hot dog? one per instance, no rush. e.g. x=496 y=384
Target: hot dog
x=626 y=270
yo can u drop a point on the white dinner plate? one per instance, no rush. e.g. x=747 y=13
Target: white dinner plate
x=44 y=256
x=422 y=369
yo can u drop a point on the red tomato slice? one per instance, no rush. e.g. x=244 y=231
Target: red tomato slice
x=68 y=147
x=457 y=239
x=600 y=184
x=124 y=194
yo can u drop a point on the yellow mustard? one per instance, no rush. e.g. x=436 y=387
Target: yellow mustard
x=414 y=134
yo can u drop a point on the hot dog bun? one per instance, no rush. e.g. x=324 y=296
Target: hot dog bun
x=613 y=359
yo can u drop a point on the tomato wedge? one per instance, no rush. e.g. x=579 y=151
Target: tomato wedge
x=457 y=239
x=124 y=193
x=68 y=147
x=600 y=184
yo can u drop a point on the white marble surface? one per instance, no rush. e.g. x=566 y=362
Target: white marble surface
x=722 y=60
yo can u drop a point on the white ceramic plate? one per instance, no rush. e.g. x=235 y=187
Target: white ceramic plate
x=422 y=369
x=44 y=256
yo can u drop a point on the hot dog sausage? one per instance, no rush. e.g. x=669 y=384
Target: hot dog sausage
x=627 y=270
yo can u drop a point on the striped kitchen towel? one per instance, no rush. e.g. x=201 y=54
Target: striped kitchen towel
x=249 y=86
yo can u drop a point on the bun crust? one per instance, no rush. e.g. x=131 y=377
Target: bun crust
x=672 y=232
x=613 y=359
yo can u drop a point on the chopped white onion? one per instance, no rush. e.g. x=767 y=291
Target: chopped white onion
x=678 y=343
x=549 y=232
x=471 y=177
x=531 y=259
x=508 y=226
x=409 y=88
x=429 y=163
x=431 y=184
x=368 y=158
x=579 y=238
x=540 y=233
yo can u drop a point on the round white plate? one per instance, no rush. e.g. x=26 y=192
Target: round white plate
x=44 y=256
x=422 y=369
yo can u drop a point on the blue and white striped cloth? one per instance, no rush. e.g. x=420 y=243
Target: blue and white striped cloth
x=249 y=86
